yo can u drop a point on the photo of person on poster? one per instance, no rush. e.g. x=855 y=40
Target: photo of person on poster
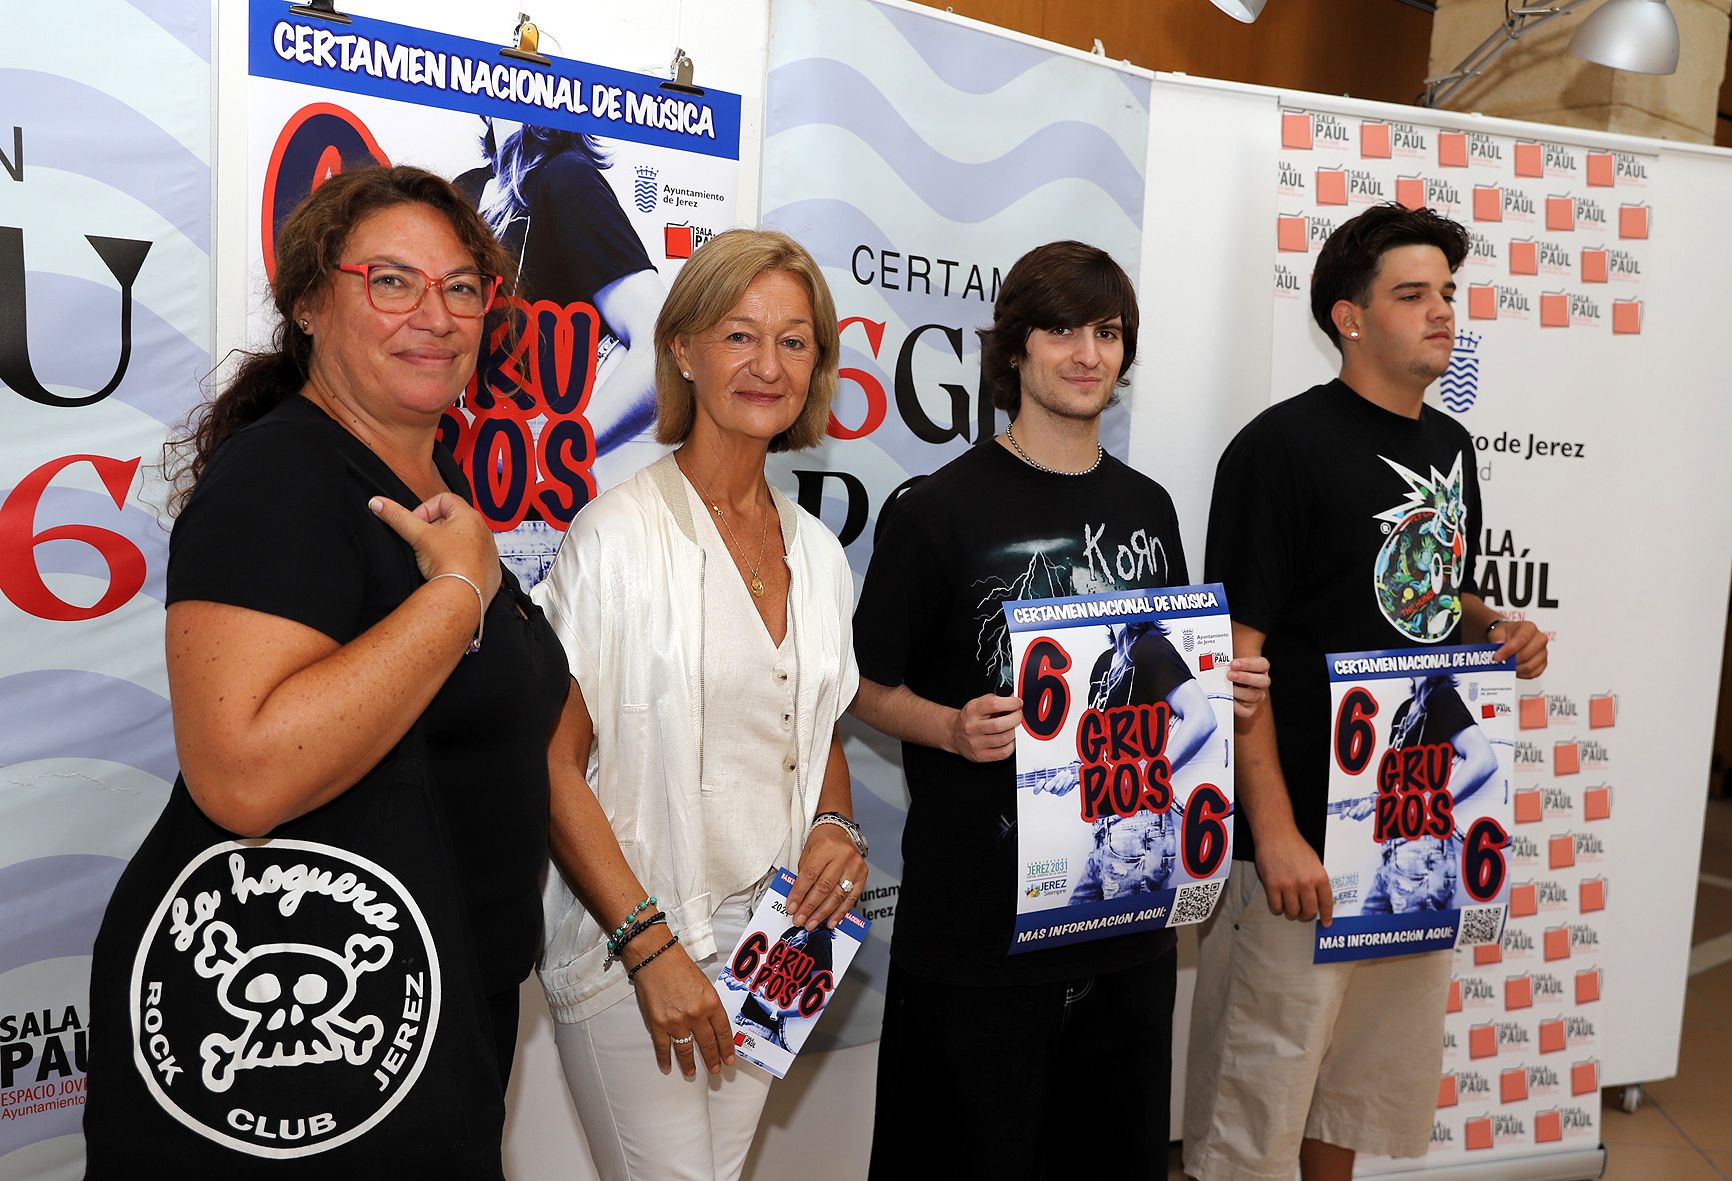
x=775 y=1023
x=1136 y=854
x=1422 y=874
x=543 y=192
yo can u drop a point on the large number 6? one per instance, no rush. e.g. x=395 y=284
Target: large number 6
x=21 y=581
x=749 y=956
x=1041 y=685
x=1204 y=835
x=1482 y=859
x=1355 y=736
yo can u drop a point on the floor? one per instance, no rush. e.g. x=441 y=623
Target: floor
x=1682 y=1130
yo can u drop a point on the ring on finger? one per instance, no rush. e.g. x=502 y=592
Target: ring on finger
x=683 y=1041
x=845 y=886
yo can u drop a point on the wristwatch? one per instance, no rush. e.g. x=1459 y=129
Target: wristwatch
x=846 y=825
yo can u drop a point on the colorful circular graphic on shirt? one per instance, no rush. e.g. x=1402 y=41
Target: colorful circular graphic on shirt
x=285 y=996
x=1422 y=562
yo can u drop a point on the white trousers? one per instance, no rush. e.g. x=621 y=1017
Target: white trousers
x=643 y=1125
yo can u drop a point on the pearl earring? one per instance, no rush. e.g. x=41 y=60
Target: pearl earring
x=686 y=373
x=1354 y=335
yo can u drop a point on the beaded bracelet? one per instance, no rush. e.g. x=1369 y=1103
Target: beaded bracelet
x=644 y=963
x=617 y=949
x=633 y=930
x=636 y=910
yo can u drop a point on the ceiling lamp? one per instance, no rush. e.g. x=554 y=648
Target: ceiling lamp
x=1639 y=35
x=1245 y=11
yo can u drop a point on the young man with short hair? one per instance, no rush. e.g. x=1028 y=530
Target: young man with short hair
x=996 y=1065
x=1344 y=519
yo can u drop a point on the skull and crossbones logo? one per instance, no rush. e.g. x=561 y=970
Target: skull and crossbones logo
x=291 y=997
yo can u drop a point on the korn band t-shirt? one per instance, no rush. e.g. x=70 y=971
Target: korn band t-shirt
x=984 y=529
x=1339 y=526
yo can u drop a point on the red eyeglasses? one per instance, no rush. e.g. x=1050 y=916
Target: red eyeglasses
x=399 y=290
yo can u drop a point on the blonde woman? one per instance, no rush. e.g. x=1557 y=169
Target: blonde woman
x=707 y=624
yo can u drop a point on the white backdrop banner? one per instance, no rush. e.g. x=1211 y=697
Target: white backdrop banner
x=105 y=331
x=918 y=156
x=1550 y=323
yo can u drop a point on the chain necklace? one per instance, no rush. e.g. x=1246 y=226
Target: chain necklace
x=755 y=583
x=1037 y=465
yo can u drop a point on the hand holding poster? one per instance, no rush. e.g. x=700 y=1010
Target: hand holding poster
x=780 y=977
x=1124 y=761
x=1419 y=800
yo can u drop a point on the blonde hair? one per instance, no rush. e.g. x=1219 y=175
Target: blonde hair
x=707 y=289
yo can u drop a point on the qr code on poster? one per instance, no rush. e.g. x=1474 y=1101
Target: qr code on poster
x=1480 y=924
x=1194 y=903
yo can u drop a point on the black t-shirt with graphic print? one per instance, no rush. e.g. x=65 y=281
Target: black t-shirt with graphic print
x=486 y=729
x=984 y=529
x=1338 y=526
x=317 y=1002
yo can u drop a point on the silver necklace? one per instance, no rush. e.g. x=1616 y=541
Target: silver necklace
x=755 y=583
x=1037 y=465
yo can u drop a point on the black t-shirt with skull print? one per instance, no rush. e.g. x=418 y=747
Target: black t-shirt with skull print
x=318 y=999
x=984 y=529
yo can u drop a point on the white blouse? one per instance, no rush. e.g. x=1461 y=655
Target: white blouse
x=750 y=747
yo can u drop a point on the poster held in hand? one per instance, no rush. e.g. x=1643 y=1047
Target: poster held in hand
x=1417 y=837
x=1124 y=762
x=780 y=977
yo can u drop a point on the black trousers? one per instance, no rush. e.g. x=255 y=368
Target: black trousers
x=1041 y=1081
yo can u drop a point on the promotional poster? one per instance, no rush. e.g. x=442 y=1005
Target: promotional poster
x=600 y=182
x=1419 y=800
x=780 y=978
x=1124 y=762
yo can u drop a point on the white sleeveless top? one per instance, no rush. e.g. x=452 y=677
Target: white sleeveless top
x=750 y=733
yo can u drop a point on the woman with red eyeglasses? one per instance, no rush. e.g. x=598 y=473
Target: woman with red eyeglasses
x=314 y=957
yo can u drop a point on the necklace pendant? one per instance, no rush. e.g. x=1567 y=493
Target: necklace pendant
x=757 y=585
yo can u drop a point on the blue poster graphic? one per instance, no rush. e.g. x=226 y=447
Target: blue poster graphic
x=780 y=977
x=1124 y=762
x=1422 y=743
x=419 y=66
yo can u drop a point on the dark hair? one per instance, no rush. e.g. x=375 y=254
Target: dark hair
x=1350 y=259
x=1059 y=285
x=309 y=246
x=521 y=153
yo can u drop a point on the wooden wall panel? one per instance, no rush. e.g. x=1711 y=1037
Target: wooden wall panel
x=1723 y=138
x=1374 y=49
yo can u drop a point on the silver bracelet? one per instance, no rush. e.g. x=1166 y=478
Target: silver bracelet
x=480 y=601
x=846 y=825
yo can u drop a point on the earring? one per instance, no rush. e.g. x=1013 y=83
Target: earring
x=304 y=324
x=686 y=373
x=1354 y=335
